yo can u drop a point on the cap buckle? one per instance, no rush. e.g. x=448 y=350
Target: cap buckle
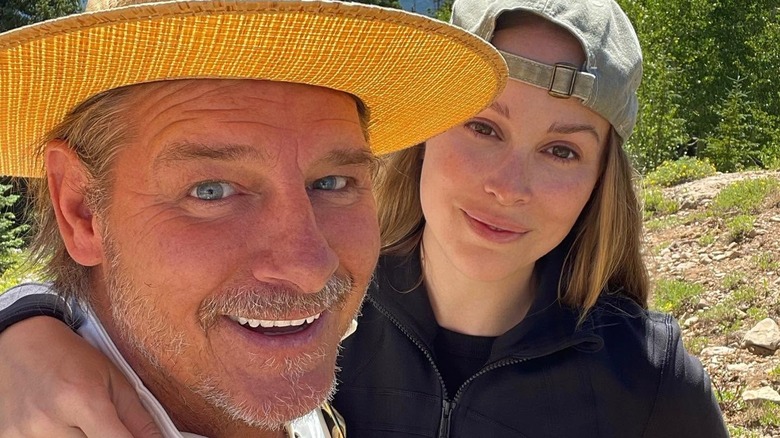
x=562 y=81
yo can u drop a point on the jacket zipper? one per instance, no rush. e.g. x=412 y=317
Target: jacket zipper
x=446 y=415
x=447 y=406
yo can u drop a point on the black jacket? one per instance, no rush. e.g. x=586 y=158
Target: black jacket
x=623 y=373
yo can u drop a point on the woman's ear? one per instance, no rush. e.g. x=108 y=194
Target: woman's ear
x=67 y=180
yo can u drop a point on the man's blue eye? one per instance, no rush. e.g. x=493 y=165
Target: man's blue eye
x=212 y=190
x=330 y=183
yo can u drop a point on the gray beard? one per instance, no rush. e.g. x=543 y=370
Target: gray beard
x=160 y=339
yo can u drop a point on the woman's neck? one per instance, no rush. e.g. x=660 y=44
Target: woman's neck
x=472 y=306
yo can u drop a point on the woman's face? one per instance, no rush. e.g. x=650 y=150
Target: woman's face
x=503 y=189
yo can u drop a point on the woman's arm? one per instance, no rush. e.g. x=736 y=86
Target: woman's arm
x=53 y=383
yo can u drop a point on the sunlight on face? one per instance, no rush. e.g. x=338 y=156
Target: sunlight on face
x=505 y=188
x=239 y=242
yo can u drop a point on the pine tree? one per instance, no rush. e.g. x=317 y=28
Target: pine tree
x=16 y=13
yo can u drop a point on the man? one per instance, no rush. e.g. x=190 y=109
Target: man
x=207 y=201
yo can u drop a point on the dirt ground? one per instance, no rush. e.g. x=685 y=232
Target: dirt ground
x=741 y=285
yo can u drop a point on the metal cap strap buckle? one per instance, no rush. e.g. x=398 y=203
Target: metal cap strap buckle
x=562 y=80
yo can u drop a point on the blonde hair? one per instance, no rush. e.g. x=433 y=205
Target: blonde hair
x=95 y=130
x=605 y=255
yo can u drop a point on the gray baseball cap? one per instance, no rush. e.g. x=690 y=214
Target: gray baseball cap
x=606 y=83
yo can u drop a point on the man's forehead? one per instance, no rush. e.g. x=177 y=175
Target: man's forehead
x=245 y=120
x=214 y=90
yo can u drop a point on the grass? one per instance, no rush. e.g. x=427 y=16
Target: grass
x=744 y=197
x=696 y=344
x=741 y=432
x=757 y=313
x=707 y=239
x=774 y=373
x=674 y=296
x=766 y=261
x=732 y=281
x=740 y=226
x=765 y=414
x=662 y=223
x=655 y=204
x=725 y=315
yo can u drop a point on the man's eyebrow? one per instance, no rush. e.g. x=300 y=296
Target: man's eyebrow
x=222 y=152
x=574 y=128
x=351 y=157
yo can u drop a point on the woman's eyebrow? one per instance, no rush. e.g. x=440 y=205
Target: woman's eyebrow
x=572 y=128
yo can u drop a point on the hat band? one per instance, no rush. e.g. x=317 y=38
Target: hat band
x=560 y=80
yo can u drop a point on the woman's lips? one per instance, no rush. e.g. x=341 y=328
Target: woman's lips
x=493 y=229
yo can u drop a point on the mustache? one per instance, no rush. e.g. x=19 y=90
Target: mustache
x=273 y=301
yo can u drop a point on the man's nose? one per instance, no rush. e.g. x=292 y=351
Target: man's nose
x=292 y=246
x=510 y=181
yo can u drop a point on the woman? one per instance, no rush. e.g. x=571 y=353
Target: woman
x=511 y=297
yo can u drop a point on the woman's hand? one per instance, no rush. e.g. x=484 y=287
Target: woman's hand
x=54 y=384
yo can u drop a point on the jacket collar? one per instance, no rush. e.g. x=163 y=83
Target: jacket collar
x=548 y=327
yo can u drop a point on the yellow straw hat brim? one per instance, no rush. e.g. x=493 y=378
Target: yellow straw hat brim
x=416 y=75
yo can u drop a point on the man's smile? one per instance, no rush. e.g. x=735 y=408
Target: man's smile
x=275 y=327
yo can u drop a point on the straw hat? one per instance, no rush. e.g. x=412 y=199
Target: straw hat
x=416 y=75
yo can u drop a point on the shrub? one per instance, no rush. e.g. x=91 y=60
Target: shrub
x=685 y=169
x=740 y=226
x=673 y=296
x=656 y=203
x=745 y=197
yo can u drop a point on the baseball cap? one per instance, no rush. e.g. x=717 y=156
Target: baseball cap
x=607 y=82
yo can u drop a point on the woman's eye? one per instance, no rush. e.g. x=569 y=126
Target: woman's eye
x=330 y=183
x=481 y=128
x=562 y=152
x=212 y=191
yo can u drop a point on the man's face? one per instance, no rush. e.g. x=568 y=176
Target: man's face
x=233 y=206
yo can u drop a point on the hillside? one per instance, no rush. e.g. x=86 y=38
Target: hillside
x=720 y=277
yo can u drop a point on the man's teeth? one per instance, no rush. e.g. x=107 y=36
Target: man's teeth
x=266 y=323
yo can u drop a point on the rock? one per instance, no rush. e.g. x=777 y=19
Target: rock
x=775 y=218
x=764 y=337
x=685 y=266
x=717 y=351
x=761 y=394
x=719 y=257
x=690 y=321
x=738 y=367
x=705 y=259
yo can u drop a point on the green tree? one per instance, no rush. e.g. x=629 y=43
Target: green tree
x=386 y=3
x=692 y=48
x=444 y=11
x=736 y=143
x=661 y=127
x=16 y=13
x=11 y=234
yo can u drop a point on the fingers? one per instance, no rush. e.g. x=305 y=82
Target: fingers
x=130 y=410
x=54 y=384
x=64 y=432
